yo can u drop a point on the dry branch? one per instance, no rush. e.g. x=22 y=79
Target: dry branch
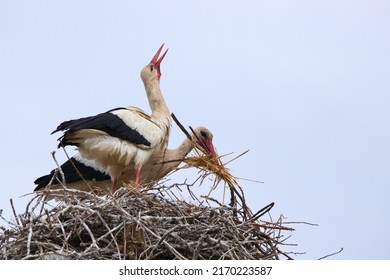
x=136 y=224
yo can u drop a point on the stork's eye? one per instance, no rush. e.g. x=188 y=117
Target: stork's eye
x=151 y=68
x=203 y=134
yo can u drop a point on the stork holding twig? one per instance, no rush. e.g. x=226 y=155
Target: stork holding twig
x=82 y=174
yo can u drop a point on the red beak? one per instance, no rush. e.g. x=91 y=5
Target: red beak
x=211 y=150
x=157 y=61
x=209 y=147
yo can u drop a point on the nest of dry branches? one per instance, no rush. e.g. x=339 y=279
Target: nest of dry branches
x=154 y=222
x=139 y=224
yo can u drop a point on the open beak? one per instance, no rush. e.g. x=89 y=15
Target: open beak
x=156 y=61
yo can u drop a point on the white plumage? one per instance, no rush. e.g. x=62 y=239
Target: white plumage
x=123 y=137
x=83 y=174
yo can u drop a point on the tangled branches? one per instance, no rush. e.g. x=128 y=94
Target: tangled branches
x=134 y=224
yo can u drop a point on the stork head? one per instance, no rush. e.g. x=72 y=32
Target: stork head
x=152 y=70
x=204 y=139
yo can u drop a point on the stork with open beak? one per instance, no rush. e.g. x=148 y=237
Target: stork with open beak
x=123 y=137
x=82 y=174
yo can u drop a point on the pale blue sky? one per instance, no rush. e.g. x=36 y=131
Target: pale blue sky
x=305 y=85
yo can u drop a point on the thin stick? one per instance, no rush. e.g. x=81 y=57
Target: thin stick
x=93 y=244
x=181 y=126
x=14 y=212
x=58 y=166
x=240 y=155
x=77 y=170
x=327 y=256
x=305 y=223
x=262 y=211
x=30 y=233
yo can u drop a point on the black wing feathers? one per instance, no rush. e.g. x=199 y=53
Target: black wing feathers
x=107 y=122
x=71 y=175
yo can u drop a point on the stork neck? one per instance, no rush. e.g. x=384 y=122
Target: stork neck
x=185 y=147
x=173 y=155
x=156 y=99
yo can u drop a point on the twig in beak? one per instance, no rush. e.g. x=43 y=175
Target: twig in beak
x=181 y=126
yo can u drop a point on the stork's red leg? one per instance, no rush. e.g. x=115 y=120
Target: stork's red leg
x=137 y=176
x=114 y=185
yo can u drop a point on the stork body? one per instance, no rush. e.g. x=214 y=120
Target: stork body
x=123 y=137
x=84 y=175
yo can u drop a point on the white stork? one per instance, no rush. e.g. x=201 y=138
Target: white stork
x=82 y=174
x=122 y=137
